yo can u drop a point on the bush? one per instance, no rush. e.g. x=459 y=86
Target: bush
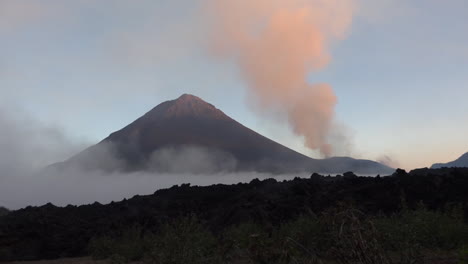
x=101 y=247
x=356 y=239
x=305 y=239
x=183 y=241
x=463 y=255
x=340 y=235
x=424 y=228
x=131 y=245
x=5 y=254
x=250 y=242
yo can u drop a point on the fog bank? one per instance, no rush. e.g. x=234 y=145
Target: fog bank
x=28 y=146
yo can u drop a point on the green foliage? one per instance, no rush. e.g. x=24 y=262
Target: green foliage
x=183 y=241
x=101 y=247
x=349 y=236
x=306 y=230
x=463 y=255
x=340 y=235
x=131 y=245
x=5 y=254
x=356 y=239
x=305 y=239
x=422 y=228
x=252 y=242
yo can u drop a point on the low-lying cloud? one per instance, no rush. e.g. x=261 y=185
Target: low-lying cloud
x=27 y=147
x=192 y=159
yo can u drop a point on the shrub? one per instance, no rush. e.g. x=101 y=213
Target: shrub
x=424 y=228
x=305 y=239
x=129 y=246
x=183 y=241
x=293 y=242
x=356 y=240
x=251 y=242
x=342 y=235
x=463 y=255
x=5 y=254
x=101 y=247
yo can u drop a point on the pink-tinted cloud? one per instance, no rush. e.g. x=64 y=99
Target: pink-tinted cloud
x=277 y=43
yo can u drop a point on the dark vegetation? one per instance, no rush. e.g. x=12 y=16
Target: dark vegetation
x=335 y=236
x=3 y=211
x=411 y=217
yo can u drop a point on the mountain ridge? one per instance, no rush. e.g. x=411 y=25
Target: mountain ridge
x=189 y=121
x=462 y=161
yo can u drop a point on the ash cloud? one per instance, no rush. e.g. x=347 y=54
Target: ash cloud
x=277 y=44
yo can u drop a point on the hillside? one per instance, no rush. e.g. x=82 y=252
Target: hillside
x=461 y=162
x=191 y=135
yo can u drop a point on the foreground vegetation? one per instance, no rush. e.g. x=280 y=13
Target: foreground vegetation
x=336 y=236
x=403 y=218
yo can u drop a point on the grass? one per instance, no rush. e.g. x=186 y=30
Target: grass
x=463 y=255
x=339 y=236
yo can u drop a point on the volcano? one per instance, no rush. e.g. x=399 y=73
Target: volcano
x=460 y=163
x=179 y=132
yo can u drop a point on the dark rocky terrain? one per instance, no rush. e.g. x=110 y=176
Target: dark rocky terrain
x=461 y=162
x=191 y=122
x=53 y=232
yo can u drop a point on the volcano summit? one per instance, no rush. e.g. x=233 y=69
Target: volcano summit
x=191 y=135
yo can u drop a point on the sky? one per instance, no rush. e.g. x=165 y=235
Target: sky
x=87 y=68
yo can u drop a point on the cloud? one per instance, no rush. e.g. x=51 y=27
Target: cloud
x=192 y=159
x=28 y=146
x=276 y=44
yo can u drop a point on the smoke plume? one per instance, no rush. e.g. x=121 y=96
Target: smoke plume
x=277 y=43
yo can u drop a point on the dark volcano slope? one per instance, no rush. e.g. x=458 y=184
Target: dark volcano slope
x=461 y=162
x=189 y=121
x=53 y=232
